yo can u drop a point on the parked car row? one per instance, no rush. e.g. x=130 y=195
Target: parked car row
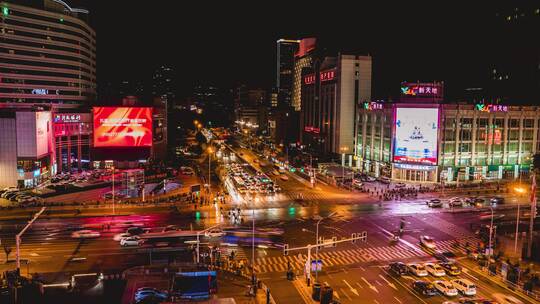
x=462 y=201
x=19 y=196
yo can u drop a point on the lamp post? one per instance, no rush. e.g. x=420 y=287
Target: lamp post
x=317 y=242
x=113 y=209
x=490 y=234
x=198 y=239
x=343 y=150
x=210 y=151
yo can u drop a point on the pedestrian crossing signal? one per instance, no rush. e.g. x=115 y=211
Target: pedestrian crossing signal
x=354 y=237
x=286 y=249
x=334 y=240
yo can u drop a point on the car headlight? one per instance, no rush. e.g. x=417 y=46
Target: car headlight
x=101 y=276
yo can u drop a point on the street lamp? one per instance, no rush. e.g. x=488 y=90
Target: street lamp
x=343 y=150
x=317 y=242
x=113 y=209
x=210 y=151
x=490 y=235
x=198 y=240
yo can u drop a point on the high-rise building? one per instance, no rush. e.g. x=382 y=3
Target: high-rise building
x=285 y=67
x=303 y=59
x=163 y=83
x=329 y=93
x=48 y=53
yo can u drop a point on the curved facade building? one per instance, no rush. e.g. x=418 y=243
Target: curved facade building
x=47 y=54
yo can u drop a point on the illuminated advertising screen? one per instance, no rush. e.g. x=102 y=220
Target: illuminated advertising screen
x=416 y=131
x=122 y=127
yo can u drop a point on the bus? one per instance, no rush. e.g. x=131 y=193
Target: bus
x=194 y=285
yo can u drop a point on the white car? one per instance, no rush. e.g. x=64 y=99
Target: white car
x=131 y=241
x=456 y=201
x=214 y=233
x=464 y=286
x=418 y=270
x=85 y=234
x=121 y=236
x=435 y=269
x=427 y=242
x=446 y=288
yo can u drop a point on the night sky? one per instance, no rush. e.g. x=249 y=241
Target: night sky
x=225 y=43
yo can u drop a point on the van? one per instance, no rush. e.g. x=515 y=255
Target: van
x=84 y=281
x=464 y=286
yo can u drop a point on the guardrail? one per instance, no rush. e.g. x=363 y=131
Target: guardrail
x=516 y=287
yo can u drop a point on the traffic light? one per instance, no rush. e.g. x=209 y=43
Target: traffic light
x=353 y=237
x=5 y=11
x=198 y=215
x=334 y=240
x=286 y=249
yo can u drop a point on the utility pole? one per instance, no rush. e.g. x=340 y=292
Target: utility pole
x=533 y=214
x=253 y=245
x=18 y=237
x=517 y=229
x=113 y=209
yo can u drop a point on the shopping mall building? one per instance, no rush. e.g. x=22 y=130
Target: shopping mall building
x=420 y=138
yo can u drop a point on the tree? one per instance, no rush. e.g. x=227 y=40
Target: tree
x=7 y=250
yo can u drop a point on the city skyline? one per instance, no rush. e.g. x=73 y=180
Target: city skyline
x=408 y=43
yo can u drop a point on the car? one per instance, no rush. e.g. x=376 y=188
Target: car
x=417 y=269
x=131 y=241
x=451 y=268
x=284 y=177
x=136 y=230
x=85 y=280
x=214 y=233
x=384 y=180
x=171 y=228
x=427 y=242
x=455 y=202
x=476 y=301
x=435 y=269
x=398 y=269
x=473 y=200
x=506 y=299
x=85 y=234
x=446 y=288
x=158 y=296
x=400 y=185
x=424 y=288
x=464 y=286
x=367 y=178
x=497 y=200
x=357 y=183
x=434 y=203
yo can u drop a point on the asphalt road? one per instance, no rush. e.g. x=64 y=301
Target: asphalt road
x=355 y=271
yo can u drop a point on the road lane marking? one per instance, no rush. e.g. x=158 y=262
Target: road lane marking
x=350 y=287
x=370 y=286
x=397 y=300
x=343 y=291
x=388 y=282
x=408 y=289
x=359 y=285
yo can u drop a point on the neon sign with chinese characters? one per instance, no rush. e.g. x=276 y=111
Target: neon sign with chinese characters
x=328 y=75
x=309 y=79
x=420 y=90
x=63 y=118
x=490 y=108
x=370 y=106
x=312 y=129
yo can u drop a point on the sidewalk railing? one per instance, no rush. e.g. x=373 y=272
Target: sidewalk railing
x=519 y=287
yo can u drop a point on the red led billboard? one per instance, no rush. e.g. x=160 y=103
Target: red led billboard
x=122 y=127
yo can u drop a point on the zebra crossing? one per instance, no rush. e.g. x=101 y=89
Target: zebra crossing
x=239 y=253
x=447 y=227
x=398 y=252
x=307 y=196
